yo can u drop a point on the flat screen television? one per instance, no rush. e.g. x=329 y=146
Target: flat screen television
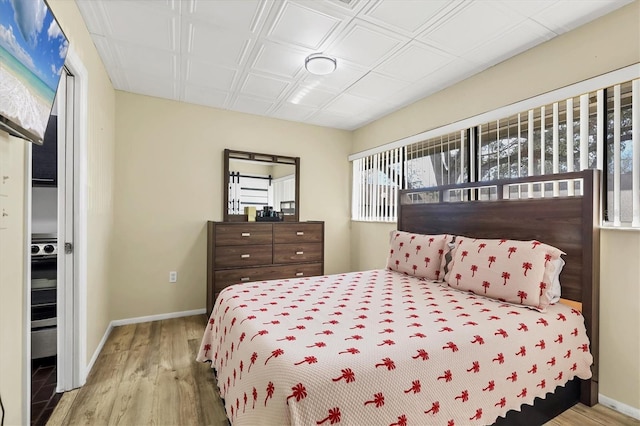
x=33 y=49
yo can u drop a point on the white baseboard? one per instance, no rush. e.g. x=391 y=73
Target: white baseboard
x=97 y=351
x=136 y=320
x=619 y=406
x=159 y=317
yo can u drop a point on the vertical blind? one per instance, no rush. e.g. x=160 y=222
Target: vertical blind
x=599 y=129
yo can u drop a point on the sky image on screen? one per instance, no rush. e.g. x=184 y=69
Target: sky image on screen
x=32 y=53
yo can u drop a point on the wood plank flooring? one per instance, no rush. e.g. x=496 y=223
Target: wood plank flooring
x=146 y=374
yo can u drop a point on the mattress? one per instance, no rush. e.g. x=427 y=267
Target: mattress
x=381 y=347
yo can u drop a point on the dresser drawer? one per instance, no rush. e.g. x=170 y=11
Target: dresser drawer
x=235 y=276
x=238 y=256
x=243 y=234
x=295 y=253
x=297 y=233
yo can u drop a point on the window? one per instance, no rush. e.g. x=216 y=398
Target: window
x=596 y=129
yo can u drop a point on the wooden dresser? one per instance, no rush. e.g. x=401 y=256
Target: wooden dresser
x=257 y=251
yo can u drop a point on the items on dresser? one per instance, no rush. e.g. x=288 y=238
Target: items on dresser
x=241 y=251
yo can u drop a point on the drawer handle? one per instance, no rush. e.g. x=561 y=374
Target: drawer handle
x=299 y=274
x=244 y=279
x=246 y=234
x=299 y=252
x=299 y=233
x=245 y=256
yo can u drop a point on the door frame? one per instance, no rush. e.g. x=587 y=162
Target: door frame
x=72 y=330
x=73 y=334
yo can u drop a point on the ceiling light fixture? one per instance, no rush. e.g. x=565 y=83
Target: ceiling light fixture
x=320 y=64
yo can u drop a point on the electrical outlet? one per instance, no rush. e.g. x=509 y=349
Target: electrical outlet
x=173 y=277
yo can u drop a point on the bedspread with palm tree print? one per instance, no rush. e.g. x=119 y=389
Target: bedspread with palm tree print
x=380 y=347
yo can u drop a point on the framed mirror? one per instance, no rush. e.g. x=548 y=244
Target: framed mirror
x=257 y=180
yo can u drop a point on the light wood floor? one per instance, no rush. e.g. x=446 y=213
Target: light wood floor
x=146 y=374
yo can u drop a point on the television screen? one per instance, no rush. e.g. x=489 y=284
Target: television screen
x=32 y=53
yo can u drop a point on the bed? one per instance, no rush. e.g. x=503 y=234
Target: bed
x=393 y=347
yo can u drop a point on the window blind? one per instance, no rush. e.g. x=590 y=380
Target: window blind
x=596 y=129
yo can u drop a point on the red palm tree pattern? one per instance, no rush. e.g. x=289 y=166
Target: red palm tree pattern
x=254 y=357
x=486 y=285
x=387 y=362
x=542 y=286
x=522 y=295
x=458 y=278
x=333 y=417
x=299 y=392
x=527 y=266
x=512 y=250
x=422 y=354
x=490 y=386
x=478 y=415
x=347 y=374
x=447 y=376
x=260 y=333
x=378 y=400
x=464 y=396
x=475 y=368
x=435 y=408
x=270 y=389
x=307 y=359
x=367 y=301
x=452 y=346
x=505 y=276
x=474 y=268
x=415 y=387
x=402 y=421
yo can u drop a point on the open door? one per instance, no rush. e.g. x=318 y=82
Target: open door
x=67 y=206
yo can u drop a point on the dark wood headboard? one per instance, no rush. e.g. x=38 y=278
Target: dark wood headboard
x=566 y=221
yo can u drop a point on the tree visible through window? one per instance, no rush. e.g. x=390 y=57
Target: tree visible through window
x=592 y=130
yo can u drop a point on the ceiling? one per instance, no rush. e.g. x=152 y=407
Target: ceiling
x=248 y=55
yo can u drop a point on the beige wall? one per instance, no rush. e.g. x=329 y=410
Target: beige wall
x=578 y=55
x=100 y=147
x=100 y=164
x=620 y=316
x=169 y=179
x=12 y=284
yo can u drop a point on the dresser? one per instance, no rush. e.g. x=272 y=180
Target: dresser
x=257 y=251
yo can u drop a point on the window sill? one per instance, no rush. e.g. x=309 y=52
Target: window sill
x=625 y=228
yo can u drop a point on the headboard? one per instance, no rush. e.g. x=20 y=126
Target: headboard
x=562 y=210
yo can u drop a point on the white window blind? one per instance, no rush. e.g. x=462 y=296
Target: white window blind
x=597 y=129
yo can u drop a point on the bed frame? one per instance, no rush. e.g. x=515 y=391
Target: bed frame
x=567 y=221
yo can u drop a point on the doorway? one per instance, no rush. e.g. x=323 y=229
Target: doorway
x=63 y=359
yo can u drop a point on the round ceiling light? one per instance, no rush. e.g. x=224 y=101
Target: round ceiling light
x=320 y=64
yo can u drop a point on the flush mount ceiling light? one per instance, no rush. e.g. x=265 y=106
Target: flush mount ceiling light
x=320 y=64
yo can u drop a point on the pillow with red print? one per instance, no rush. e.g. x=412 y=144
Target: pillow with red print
x=417 y=254
x=512 y=271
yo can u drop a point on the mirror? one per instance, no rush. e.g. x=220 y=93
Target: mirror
x=258 y=180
